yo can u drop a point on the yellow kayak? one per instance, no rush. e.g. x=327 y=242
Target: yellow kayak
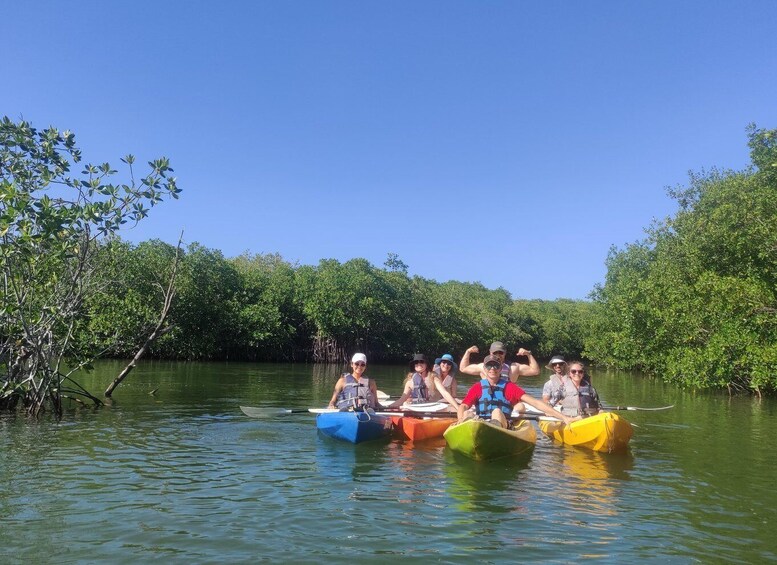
x=606 y=432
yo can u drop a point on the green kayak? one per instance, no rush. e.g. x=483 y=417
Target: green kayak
x=482 y=440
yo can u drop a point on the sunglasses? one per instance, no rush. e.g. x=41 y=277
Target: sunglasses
x=492 y=366
x=420 y=362
x=576 y=372
x=360 y=364
x=446 y=363
x=557 y=364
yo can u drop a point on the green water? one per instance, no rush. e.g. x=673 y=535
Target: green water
x=183 y=476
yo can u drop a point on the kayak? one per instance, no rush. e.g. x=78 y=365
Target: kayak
x=417 y=429
x=354 y=427
x=606 y=432
x=481 y=440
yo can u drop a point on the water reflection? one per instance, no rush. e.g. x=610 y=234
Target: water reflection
x=186 y=474
x=361 y=462
x=590 y=481
x=466 y=479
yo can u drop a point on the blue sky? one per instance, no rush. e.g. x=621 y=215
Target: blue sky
x=510 y=143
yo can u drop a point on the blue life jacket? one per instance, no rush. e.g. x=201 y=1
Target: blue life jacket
x=355 y=393
x=493 y=396
x=420 y=390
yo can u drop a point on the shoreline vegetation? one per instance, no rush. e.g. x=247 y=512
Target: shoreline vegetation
x=694 y=302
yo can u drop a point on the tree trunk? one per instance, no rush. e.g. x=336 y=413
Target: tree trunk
x=159 y=330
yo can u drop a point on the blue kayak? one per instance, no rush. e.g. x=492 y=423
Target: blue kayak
x=354 y=427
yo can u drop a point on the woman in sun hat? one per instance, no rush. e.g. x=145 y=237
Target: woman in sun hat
x=421 y=385
x=418 y=383
x=444 y=375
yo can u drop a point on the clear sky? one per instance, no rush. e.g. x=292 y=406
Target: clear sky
x=506 y=142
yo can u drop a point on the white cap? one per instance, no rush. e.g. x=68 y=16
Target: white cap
x=359 y=357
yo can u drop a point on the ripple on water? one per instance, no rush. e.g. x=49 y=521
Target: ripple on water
x=196 y=481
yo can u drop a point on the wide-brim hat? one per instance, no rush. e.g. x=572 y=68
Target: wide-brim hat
x=555 y=359
x=419 y=357
x=449 y=358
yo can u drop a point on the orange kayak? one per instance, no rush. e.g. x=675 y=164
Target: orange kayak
x=417 y=429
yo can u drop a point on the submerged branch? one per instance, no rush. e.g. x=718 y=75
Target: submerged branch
x=160 y=328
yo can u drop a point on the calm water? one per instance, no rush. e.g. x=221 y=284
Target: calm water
x=184 y=476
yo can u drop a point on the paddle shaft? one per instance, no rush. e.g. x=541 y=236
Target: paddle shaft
x=414 y=414
x=636 y=408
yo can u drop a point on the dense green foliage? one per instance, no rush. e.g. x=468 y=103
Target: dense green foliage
x=695 y=301
x=51 y=226
x=260 y=307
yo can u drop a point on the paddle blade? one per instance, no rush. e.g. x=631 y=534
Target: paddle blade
x=637 y=408
x=266 y=412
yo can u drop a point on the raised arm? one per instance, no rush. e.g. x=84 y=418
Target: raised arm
x=522 y=369
x=465 y=366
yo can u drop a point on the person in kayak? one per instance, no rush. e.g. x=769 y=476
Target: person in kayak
x=559 y=368
x=511 y=371
x=354 y=390
x=421 y=385
x=574 y=395
x=445 y=383
x=494 y=396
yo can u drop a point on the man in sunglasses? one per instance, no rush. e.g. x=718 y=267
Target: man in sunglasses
x=511 y=372
x=559 y=368
x=494 y=396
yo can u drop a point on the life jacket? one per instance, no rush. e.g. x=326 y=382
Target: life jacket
x=505 y=374
x=420 y=390
x=573 y=401
x=556 y=384
x=355 y=393
x=493 y=396
x=447 y=384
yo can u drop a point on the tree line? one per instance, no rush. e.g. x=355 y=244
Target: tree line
x=264 y=308
x=693 y=302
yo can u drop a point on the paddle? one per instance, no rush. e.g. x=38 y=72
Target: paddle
x=535 y=418
x=636 y=408
x=416 y=414
x=269 y=412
